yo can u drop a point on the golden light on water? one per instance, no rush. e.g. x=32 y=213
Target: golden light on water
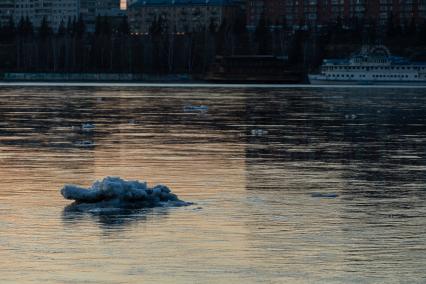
x=254 y=217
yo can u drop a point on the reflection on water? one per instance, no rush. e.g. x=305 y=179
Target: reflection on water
x=113 y=218
x=258 y=164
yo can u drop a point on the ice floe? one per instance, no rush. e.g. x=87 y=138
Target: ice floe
x=259 y=132
x=196 y=108
x=87 y=126
x=85 y=144
x=114 y=192
x=324 y=194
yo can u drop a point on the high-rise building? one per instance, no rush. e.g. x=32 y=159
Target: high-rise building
x=255 y=9
x=54 y=11
x=23 y=9
x=88 y=13
x=90 y=9
x=62 y=10
x=180 y=16
x=58 y=11
x=6 y=10
x=316 y=13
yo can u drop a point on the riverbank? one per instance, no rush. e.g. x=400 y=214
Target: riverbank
x=198 y=85
x=94 y=77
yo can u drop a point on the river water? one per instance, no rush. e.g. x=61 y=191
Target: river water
x=290 y=185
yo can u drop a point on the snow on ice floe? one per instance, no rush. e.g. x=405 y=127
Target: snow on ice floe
x=114 y=192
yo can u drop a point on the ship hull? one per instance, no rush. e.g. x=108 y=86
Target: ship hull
x=315 y=80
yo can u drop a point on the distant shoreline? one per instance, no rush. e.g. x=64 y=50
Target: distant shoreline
x=192 y=84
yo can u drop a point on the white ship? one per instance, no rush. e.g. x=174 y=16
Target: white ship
x=373 y=65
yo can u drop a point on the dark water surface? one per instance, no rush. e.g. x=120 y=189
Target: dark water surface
x=290 y=185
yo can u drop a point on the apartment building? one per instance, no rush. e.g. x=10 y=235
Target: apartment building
x=180 y=16
x=303 y=13
x=54 y=11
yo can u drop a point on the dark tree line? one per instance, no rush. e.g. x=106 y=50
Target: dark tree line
x=340 y=38
x=112 y=47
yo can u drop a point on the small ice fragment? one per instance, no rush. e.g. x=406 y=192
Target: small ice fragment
x=87 y=127
x=191 y=108
x=324 y=195
x=258 y=132
x=85 y=143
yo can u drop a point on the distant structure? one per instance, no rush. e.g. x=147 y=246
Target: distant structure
x=6 y=10
x=88 y=13
x=180 y=16
x=300 y=14
x=90 y=9
x=54 y=11
x=60 y=11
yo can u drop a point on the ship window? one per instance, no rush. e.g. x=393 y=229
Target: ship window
x=415 y=76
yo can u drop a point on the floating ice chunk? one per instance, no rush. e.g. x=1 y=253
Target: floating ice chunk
x=259 y=132
x=85 y=144
x=192 y=108
x=87 y=127
x=118 y=193
x=324 y=195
